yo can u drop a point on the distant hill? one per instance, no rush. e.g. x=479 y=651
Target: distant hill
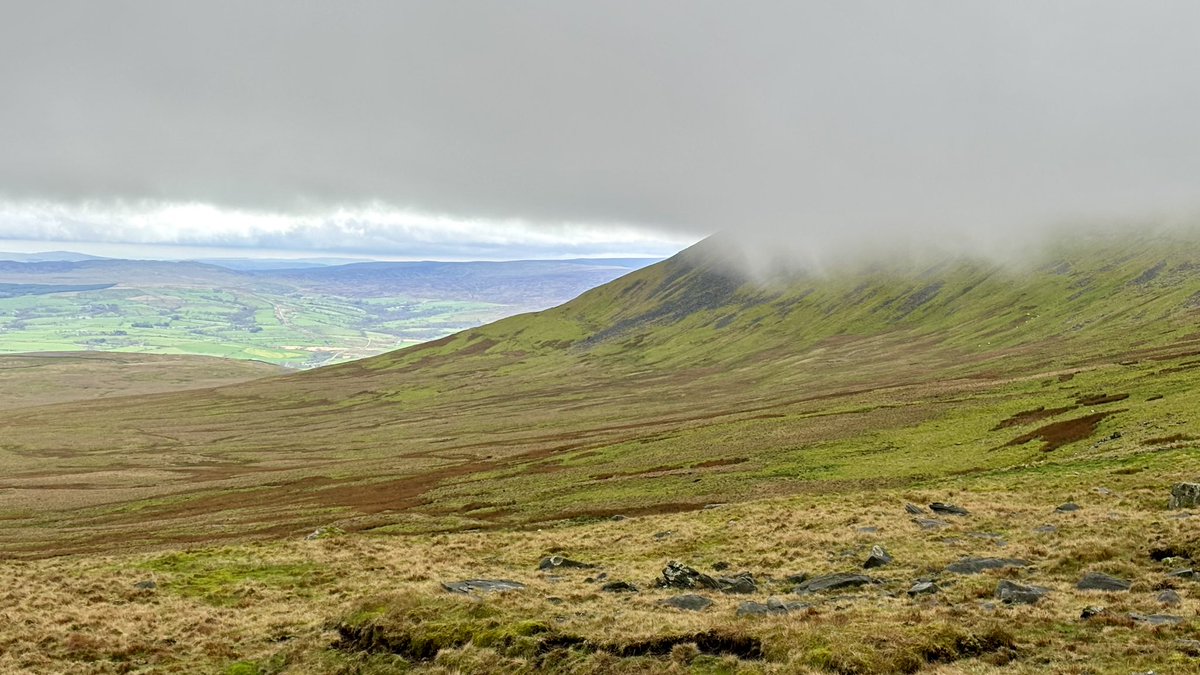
x=48 y=256
x=300 y=317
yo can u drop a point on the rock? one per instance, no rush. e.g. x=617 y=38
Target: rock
x=147 y=585
x=1098 y=581
x=663 y=535
x=1045 y=529
x=1185 y=496
x=619 y=587
x=324 y=533
x=923 y=588
x=555 y=600
x=1189 y=647
x=678 y=575
x=1170 y=598
x=720 y=566
x=834 y=582
x=1102 y=491
x=689 y=603
x=483 y=586
x=742 y=583
x=1092 y=611
x=796 y=578
x=914 y=510
x=1184 y=573
x=710 y=507
x=994 y=538
x=772 y=606
x=558 y=562
x=1156 y=619
x=977 y=565
x=948 y=509
x=878 y=558
x=618 y=517
x=930 y=523
x=1011 y=593
x=1069 y=507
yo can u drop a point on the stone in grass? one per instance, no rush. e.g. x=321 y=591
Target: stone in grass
x=930 y=523
x=1184 y=573
x=678 y=575
x=923 y=588
x=1185 y=496
x=555 y=562
x=914 y=510
x=772 y=606
x=1045 y=529
x=742 y=584
x=1156 y=619
x=483 y=586
x=1170 y=598
x=1189 y=647
x=948 y=509
x=147 y=585
x=1098 y=581
x=619 y=587
x=878 y=558
x=834 y=582
x=1069 y=507
x=688 y=603
x=977 y=565
x=1011 y=593
x=1091 y=612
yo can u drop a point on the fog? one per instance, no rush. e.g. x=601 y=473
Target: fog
x=815 y=129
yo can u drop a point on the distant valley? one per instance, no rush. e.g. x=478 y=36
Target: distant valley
x=299 y=314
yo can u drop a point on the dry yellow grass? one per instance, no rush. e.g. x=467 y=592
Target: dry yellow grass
x=277 y=605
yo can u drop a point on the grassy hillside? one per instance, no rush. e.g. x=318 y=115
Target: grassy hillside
x=679 y=413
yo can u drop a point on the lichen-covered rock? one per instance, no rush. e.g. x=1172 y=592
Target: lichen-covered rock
x=678 y=575
x=877 y=558
x=1185 y=496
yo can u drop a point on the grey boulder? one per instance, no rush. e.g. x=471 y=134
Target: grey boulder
x=977 y=565
x=1098 y=581
x=834 y=582
x=678 y=575
x=483 y=586
x=1011 y=593
x=772 y=606
x=923 y=588
x=1185 y=496
x=948 y=509
x=689 y=603
x=877 y=558
x=555 y=562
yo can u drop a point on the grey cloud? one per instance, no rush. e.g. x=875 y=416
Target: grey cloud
x=826 y=121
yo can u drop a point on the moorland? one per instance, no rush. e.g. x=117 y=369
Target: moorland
x=682 y=470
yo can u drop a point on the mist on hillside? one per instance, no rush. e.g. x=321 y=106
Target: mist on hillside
x=821 y=129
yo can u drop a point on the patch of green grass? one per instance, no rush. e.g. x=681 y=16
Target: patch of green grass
x=227 y=577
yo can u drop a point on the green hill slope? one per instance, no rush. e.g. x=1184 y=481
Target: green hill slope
x=676 y=386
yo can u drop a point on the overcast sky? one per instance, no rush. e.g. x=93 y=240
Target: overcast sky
x=510 y=129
